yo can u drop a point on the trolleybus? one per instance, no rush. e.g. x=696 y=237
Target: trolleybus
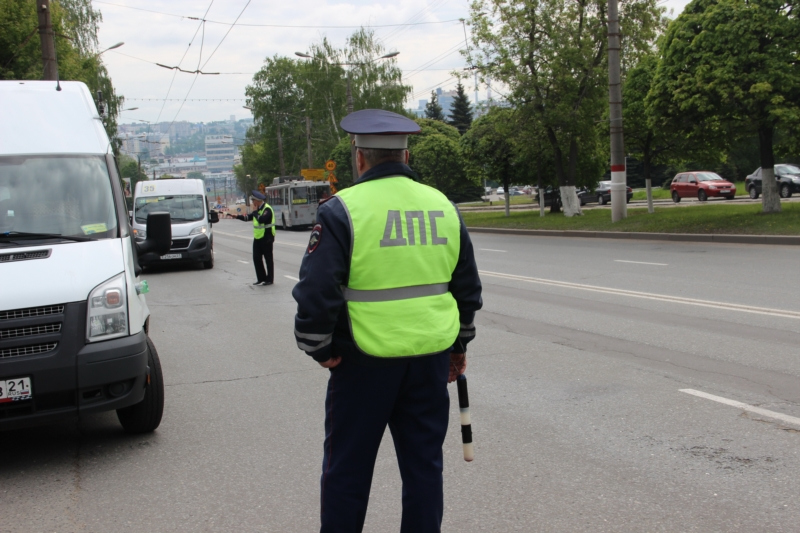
x=295 y=200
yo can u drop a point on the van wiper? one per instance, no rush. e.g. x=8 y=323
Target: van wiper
x=7 y=235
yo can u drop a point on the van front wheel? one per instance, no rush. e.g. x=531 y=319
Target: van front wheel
x=210 y=263
x=145 y=416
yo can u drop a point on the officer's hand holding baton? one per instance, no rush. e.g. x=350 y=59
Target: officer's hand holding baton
x=458 y=364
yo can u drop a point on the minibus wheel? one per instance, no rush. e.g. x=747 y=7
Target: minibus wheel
x=145 y=416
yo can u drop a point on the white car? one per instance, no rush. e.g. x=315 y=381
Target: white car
x=500 y=191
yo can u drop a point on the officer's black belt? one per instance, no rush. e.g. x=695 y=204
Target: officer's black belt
x=390 y=295
x=264 y=227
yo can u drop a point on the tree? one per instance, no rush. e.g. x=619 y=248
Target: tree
x=245 y=182
x=461 y=111
x=551 y=54
x=287 y=90
x=488 y=149
x=435 y=155
x=75 y=24
x=433 y=110
x=195 y=175
x=729 y=62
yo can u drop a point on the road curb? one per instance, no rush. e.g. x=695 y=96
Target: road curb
x=680 y=237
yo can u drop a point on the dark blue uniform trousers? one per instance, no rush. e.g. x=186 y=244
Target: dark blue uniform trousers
x=411 y=397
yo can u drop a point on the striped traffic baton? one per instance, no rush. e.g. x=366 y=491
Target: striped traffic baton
x=466 y=423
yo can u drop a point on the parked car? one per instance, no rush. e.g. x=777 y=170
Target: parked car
x=500 y=191
x=551 y=194
x=601 y=194
x=700 y=184
x=787 y=176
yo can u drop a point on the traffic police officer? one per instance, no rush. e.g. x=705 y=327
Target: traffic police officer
x=263 y=218
x=386 y=300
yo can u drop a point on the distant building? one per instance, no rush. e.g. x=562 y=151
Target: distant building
x=445 y=99
x=220 y=153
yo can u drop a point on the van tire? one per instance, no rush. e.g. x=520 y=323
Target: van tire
x=208 y=265
x=145 y=416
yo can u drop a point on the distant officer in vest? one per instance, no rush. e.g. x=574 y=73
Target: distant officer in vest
x=263 y=218
x=386 y=300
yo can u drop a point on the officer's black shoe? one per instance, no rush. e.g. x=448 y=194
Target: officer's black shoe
x=267 y=283
x=260 y=283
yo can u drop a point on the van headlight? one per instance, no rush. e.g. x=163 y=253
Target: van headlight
x=107 y=317
x=199 y=229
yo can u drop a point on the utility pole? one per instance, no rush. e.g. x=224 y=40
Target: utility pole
x=280 y=148
x=308 y=141
x=352 y=137
x=48 y=41
x=619 y=209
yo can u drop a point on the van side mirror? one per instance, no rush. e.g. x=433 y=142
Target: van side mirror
x=213 y=217
x=159 y=234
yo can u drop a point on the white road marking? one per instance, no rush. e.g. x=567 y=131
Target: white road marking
x=292 y=278
x=248 y=238
x=640 y=262
x=490 y=250
x=650 y=296
x=245 y=262
x=745 y=407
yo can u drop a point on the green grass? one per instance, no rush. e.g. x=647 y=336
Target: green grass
x=515 y=200
x=665 y=194
x=715 y=219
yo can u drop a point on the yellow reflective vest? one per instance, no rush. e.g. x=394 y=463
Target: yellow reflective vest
x=405 y=246
x=260 y=229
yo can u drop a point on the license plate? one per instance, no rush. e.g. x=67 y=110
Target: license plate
x=725 y=190
x=171 y=256
x=13 y=390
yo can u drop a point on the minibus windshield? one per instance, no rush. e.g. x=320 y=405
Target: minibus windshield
x=68 y=196
x=181 y=207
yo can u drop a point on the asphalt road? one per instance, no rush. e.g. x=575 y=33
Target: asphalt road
x=603 y=384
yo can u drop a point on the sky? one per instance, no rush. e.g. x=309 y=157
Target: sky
x=427 y=33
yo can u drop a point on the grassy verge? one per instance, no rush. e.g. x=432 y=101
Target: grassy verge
x=515 y=200
x=715 y=219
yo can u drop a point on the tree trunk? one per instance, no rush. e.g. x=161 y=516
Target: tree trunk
x=569 y=197
x=648 y=183
x=771 y=202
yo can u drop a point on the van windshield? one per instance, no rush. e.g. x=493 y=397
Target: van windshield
x=181 y=207
x=69 y=196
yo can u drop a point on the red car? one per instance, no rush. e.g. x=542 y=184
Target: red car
x=700 y=184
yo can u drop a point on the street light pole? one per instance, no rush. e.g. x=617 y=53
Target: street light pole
x=618 y=187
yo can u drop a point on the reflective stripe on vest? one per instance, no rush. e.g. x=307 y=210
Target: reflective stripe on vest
x=388 y=295
x=405 y=242
x=258 y=229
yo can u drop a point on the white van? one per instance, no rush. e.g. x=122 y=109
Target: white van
x=73 y=316
x=185 y=200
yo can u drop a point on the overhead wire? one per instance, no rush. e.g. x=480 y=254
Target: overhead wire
x=175 y=73
x=302 y=26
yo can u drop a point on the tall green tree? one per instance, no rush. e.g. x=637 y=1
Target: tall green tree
x=489 y=150
x=435 y=155
x=461 y=111
x=551 y=54
x=727 y=62
x=433 y=110
x=287 y=90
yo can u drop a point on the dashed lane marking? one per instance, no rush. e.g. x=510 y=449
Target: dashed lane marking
x=245 y=262
x=248 y=238
x=490 y=250
x=292 y=278
x=783 y=313
x=640 y=263
x=745 y=407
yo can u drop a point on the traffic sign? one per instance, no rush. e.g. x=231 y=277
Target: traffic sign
x=208 y=189
x=330 y=165
x=313 y=174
